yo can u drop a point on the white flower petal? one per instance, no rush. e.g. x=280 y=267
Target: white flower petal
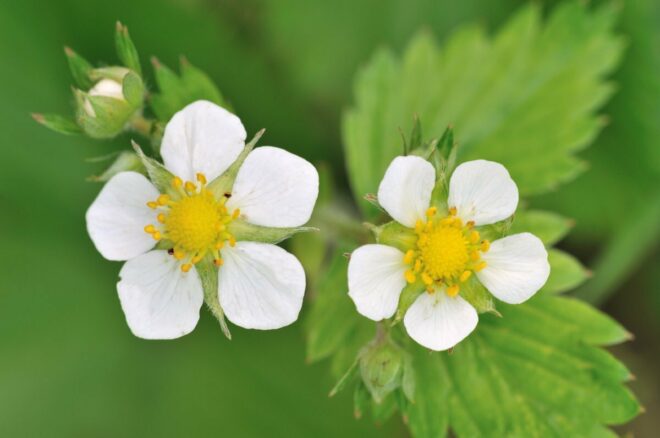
x=516 y=267
x=261 y=286
x=405 y=191
x=159 y=300
x=117 y=217
x=375 y=280
x=275 y=188
x=482 y=191
x=438 y=321
x=202 y=137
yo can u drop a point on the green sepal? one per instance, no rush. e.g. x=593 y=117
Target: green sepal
x=159 y=176
x=440 y=193
x=408 y=296
x=57 y=123
x=396 y=235
x=381 y=367
x=548 y=226
x=414 y=142
x=476 y=294
x=126 y=50
x=176 y=91
x=109 y=115
x=495 y=231
x=133 y=89
x=222 y=185
x=566 y=272
x=114 y=73
x=245 y=231
x=361 y=399
x=345 y=379
x=208 y=274
x=80 y=69
x=125 y=161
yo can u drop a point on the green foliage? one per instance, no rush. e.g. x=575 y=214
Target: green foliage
x=177 y=91
x=548 y=226
x=502 y=94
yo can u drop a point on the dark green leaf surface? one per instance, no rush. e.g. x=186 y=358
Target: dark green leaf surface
x=502 y=95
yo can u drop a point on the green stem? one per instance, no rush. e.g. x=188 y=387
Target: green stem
x=625 y=251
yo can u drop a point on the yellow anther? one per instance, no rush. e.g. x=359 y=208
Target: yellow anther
x=177 y=182
x=480 y=266
x=152 y=204
x=470 y=224
x=408 y=258
x=430 y=289
x=419 y=226
x=431 y=212
x=426 y=278
x=220 y=227
x=465 y=275
x=474 y=237
x=232 y=241
x=418 y=265
x=218 y=262
x=452 y=211
x=163 y=199
x=410 y=276
x=186 y=267
x=150 y=229
x=201 y=178
x=161 y=218
x=220 y=244
x=485 y=246
x=453 y=290
x=236 y=213
x=447 y=221
x=157 y=235
x=179 y=255
x=196 y=259
x=474 y=255
x=190 y=186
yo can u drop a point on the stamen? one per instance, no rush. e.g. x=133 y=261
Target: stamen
x=431 y=212
x=232 y=241
x=418 y=265
x=480 y=266
x=152 y=205
x=218 y=262
x=465 y=275
x=150 y=229
x=177 y=182
x=410 y=276
x=453 y=290
x=161 y=218
x=485 y=246
x=186 y=267
x=236 y=213
x=157 y=235
x=426 y=278
x=163 y=199
x=201 y=179
x=474 y=255
x=474 y=237
x=408 y=258
x=452 y=211
x=190 y=187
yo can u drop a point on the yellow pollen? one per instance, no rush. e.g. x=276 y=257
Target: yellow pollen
x=218 y=262
x=152 y=204
x=447 y=252
x=193 y=221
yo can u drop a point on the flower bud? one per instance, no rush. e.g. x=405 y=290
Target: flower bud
x=381 y=367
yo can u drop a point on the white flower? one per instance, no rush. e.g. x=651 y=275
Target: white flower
x=446 y=252
x=105 y=87
x=260 y=285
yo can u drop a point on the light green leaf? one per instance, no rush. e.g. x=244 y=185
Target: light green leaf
x=566 y=272
x=547 y=226
x=536 y=372
x=501 y=94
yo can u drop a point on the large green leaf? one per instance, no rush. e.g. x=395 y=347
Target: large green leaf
x=526 y=97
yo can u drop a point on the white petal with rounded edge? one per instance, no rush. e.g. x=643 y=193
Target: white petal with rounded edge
x=482 y=191
x=260 y=286
x=405 y=191
x=438 y=321
x=275 y=188
x=516 y=267
x=376 y=279
x=202 y=137
x=117 y=217
x=159 y=300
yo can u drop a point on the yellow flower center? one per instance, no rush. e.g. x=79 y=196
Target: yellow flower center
x=194 y=222
x=447 y=252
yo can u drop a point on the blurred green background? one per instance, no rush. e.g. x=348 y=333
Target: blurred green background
x=68 y=363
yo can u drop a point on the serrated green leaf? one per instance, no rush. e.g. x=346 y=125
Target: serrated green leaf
x=566 y=272
x=535 y=372
x=501 y=94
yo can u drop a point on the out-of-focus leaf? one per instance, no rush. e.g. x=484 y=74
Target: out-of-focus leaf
x=501 y=94
x=566 y=272
x=548 y=226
